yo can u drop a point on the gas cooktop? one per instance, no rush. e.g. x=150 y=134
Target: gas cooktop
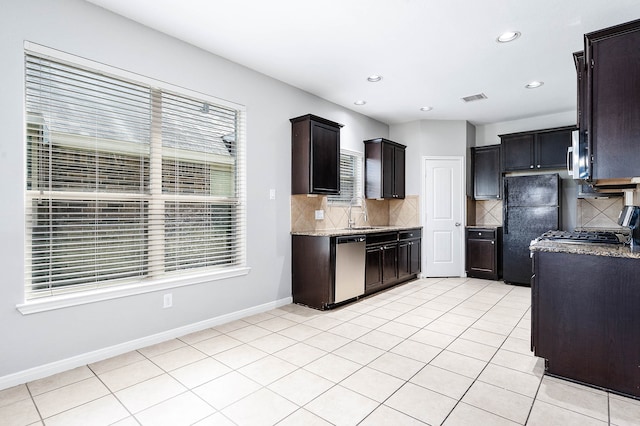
x=599 y=237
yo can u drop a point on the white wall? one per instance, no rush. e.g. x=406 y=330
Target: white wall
x=429 y=138
x=86 y=30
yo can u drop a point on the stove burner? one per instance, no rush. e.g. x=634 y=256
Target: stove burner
x=599 y=237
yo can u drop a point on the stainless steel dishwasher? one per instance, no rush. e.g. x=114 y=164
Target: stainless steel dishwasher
x=350 y=258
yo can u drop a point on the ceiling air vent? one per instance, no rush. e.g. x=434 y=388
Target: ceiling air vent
x=477 y=97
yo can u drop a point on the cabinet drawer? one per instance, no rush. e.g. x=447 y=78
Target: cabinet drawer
x=410 y=235
x=387 y=237
x=481 y=234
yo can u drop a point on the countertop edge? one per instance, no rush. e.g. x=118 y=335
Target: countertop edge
x=609 y=250
x=340 y=232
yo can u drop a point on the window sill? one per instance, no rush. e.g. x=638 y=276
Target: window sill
x=66 y=301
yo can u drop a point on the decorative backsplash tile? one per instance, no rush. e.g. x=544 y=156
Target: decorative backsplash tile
x=599 y=212
x=489 y=213
x=379 y=213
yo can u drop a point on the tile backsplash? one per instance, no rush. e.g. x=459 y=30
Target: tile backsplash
x=489 y=213
x=599 y=212
x=380 y=213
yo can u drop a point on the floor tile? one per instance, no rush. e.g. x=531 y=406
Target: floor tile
x=590 y=402
x=116 y=362
x=416 y=350
x=231 y=326
x=442 y=381
x=513 y=380
x=323 y=323
x=492 y=327
x=504 y=403
x=369 y=321
x=398 y=329
x=386 y=416
x=59 y=380
x=423 y=404
x=19 y=413
x=13 y=394
x=433 y=338
x=624 y=411
x=239 y=356
x=350 y=330
x=267 y=370
x=263 y=407
x=153 y=391
x=300 y=354
x=300 y=332
x=520 y=362
x=380 y=340
x=160 y=348
x=458 y=363
x=226 y=390
x=249 y=333
x=200 y=372
x=169 y=361
x=447 y=328
x=130 y=375
x=70 y=396
x=514 y=344
x=383 y=313
x=413 y=320
x=217 y=419
x=103 y=411
x=358 y=352
x=199 y=336
x=272 y=343
x=465 y=415
x=303 y=417
x=472 y=349
x=341 y=406
x=327 y=341
x=217 y=344
x=484 y=337
x=276 y=324
x=182 y=410
x=372 y=383
x=397 y=365
x=256 y=318
x=333 y=367
x=544 y=414
x=301 y=386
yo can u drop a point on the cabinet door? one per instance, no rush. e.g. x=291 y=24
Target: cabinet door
x=398 y=172
x=614 y=79
x=373 y=269
x=486 y=173
x=551 y=149
x=390 y=263
x=325 y=159
x=517 y=152
x=481 y=256
x=388 y=166
x=415 y=257
x=404 y=259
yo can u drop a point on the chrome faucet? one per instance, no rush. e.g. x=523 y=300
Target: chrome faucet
x=351 y=222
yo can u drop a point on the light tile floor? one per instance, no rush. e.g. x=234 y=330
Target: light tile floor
x=435 y=351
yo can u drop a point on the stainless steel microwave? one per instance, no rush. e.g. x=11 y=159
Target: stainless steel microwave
x=578 y=156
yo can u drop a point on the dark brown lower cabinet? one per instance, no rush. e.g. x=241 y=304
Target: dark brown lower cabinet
x=392 y=258
x=484 y=252
x=585 y=319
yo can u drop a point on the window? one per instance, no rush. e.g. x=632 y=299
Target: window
x=127 y=182
x=350 y=178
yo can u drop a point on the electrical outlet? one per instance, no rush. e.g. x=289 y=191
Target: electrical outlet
x=167 y=300
x=319 y=214
x=272 y=194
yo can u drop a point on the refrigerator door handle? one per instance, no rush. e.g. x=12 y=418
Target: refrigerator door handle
x=505 y=208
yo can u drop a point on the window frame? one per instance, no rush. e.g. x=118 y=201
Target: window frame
x=168 y=281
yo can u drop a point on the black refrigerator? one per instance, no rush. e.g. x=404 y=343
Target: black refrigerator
x=531 y=206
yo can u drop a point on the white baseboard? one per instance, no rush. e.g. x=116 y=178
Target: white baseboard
x=46 y=370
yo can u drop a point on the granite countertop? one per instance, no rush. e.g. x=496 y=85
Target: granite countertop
x=484 y=226
x=353 y=231
x=611 y=250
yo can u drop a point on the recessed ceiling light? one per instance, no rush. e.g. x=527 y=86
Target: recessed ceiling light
x=374 y=78
x=428 y=108
x=508 y=36
x=534 y=84
x=360 y=102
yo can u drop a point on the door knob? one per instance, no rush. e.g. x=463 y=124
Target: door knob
x=457 y=223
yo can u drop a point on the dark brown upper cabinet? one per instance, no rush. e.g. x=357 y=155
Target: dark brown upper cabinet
x=536 y=150
x=384 y=169
x=612 y=66
x=486 y=172
x=315 y=155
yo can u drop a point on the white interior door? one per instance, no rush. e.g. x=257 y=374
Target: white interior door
x=443 y=220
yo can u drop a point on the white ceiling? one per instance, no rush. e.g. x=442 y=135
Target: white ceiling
x=429 y=52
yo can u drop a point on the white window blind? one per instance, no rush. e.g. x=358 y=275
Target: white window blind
x=350 y=178
x=126 y=182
